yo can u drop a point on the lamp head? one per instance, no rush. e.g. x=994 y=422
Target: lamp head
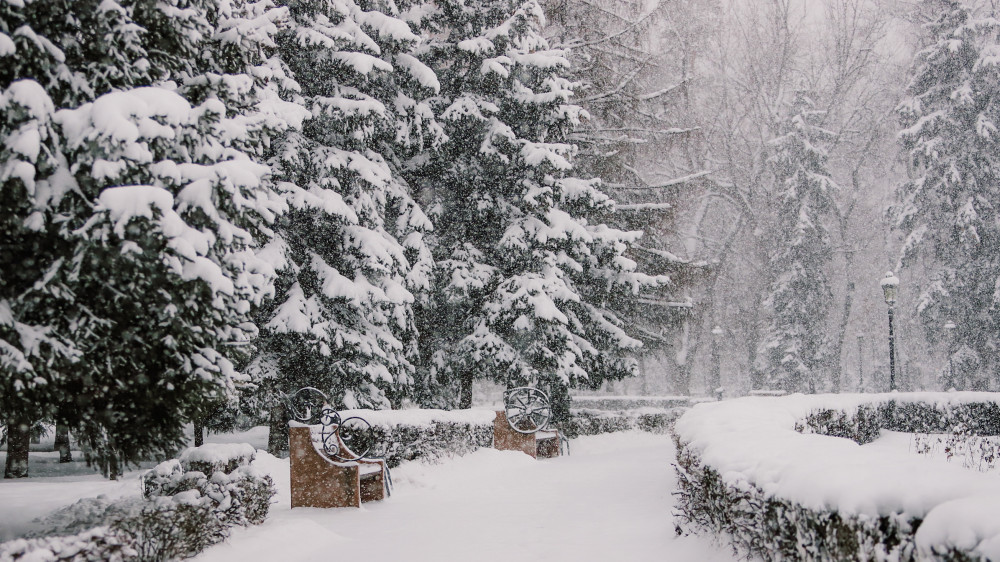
x=889 y=284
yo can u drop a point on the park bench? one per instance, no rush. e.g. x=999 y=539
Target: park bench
x=329 y=461
x=523 y=424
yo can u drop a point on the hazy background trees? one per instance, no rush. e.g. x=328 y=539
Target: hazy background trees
x=686 y=101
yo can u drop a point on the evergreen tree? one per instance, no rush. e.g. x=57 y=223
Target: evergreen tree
x=350 y=251
x=526 y=285
x=130 y=217
x=800 y=297
x=948 y=212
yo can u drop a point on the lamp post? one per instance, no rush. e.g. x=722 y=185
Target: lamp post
x=889 y=284
x=861 y=357
x=949 y=327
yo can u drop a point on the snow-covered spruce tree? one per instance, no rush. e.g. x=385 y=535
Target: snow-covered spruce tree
x=244 y=72
x=800 y=297
x=350 y=250
x=949 y=211
x=48 y=59
x=141 y=210
x=526 y=286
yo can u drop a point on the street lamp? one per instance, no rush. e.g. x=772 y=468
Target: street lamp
x=949 y=327
x=889 y=284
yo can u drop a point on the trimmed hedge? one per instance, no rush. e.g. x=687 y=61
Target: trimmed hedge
x=435 y=440
x=595 y=422
x=430 y=442
x=183 y=511
x=775 y=528
x=862 y=425
x=97 y=544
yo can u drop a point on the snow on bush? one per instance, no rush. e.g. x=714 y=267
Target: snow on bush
x=978 y=452
x=100 y=543
x=773 y=475
x=593 y=422
x=217 y=457
x=430 y=435
x=184 y=510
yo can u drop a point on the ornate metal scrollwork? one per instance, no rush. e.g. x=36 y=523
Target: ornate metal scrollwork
x=307 y=404
x=311 y=406
x=528 y=409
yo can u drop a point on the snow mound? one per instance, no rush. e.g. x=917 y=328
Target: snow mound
x=217 y=453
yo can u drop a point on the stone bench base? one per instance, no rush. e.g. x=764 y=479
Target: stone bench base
x=318 y=481
x=544 y=444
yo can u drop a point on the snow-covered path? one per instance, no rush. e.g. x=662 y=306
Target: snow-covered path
x=609 y=501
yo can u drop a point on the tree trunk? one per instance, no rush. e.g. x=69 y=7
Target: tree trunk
x=715 y=382
x=114 y=466
x=833 y=365
x=277 y=435
x=62 y=443
x=199 y=433
x=465 y=392
x=682 y=360
x=18 y=443
x=560 y=403
x=752 y=334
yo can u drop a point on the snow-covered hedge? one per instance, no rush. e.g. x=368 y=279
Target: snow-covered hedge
x=425 y=434
x=622 y=403
x=862 y=424
x=593 y=422
x=774 y=476
x=189 y=504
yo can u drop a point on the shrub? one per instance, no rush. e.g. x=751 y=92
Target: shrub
x=595 y=422
x=94 y=545
x=778 y=529
x=770 y=524
x=182 y=512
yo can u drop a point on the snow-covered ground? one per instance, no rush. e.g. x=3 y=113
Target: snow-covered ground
x=54 y=485
x=24 y=500
x=610 y=500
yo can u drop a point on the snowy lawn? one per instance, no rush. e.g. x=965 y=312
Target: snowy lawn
x=54 y=485
x=610 y=500
x=25 y=499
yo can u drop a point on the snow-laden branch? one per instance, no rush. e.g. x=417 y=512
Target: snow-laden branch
x=662 y=185
x=645 y=207
x=662 y=92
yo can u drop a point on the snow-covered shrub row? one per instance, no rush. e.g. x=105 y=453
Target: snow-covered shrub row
x=621 y=403
x=585 y=421
x=184 y=510
x=94 y=545
x=404 y=435
x=863 y=423
x=776 y=528
x=772 y=474
x=427 y=434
